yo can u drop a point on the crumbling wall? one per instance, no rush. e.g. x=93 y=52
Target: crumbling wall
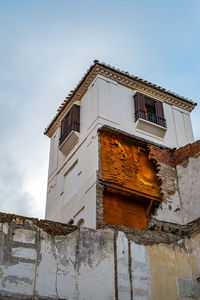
x=130 y=164
x=170 y=209
x=39 y=260
x=130 y=183
x=188 y=173
x=125 y=162
x=47 y=260
x=179 y=172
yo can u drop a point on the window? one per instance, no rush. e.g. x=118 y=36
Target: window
x=70 y=122
x=149 y=109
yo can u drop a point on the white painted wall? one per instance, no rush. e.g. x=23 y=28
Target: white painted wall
x=72 y=185
x=71 y=189
x=189 y=186
x=171 y=210
x=116 y=108
x=76 y=266
x=105 y=103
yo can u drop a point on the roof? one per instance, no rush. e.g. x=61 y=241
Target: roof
x=123 y=78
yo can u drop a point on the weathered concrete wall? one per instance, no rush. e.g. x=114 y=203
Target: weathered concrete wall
x=47 y=260
x=73 y=265
x=188 y=174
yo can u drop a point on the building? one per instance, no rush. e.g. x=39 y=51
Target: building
x=122 y=162
x=81 y=152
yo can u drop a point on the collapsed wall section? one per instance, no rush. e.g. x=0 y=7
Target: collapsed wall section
x=188 y=173
x=139 y=180
x=129 y=181
x=179 y=171
x=54 y=261
x=49 y=260
x=170 y=209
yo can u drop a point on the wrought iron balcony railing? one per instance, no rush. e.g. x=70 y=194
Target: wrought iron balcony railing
x=150 y=117
x=73 y=126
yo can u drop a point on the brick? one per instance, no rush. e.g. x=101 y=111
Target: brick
x=190 y=150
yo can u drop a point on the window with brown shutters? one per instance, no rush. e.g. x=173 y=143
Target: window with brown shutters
x=70 y=122
x=149 y=109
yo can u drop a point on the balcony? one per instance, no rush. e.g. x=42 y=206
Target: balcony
x=150 y=123
x=72 y=127
x=69 y=138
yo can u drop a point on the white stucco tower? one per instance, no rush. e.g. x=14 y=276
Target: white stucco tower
x=105 y=96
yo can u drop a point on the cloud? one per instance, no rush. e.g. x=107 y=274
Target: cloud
x=13 y=198
x=46 y=48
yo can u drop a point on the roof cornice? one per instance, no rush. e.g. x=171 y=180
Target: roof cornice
x=123 y=78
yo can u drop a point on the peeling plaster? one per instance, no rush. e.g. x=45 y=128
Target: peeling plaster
x=107 y=263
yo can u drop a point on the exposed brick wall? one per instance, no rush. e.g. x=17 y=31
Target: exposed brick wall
x=127 y=164
x=161 y=155
x=129 y=181
x=164 y=159
x=190 y=150
x=126 y=211
x=120 y=146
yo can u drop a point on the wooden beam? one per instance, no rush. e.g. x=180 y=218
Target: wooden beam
x=121 y=190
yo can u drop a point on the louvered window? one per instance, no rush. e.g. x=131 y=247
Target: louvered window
x=149 y=109
x=70 y=122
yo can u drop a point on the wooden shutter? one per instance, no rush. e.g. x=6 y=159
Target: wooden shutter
x=139 y=106
x=76 y=113
x=71 y=121
x=139 y=102
x=160 y=113
x=65 y=123
x=75 y=121
x=62 y=126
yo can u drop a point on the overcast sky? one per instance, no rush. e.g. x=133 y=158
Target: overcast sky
x=47 y=46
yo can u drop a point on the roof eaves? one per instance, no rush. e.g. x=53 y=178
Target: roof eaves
x=72 y=93
x=140 y=80
x=69 y=97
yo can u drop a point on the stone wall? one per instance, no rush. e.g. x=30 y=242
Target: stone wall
x=47 y=260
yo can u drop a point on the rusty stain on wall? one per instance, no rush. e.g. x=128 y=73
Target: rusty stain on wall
x=130 y=182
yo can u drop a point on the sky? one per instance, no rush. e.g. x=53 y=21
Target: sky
x=47 y=46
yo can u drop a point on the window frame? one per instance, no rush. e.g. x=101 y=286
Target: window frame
x=70 y=122
x=141 y=110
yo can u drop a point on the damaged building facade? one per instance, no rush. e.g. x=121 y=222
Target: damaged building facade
x=112 y=152
x=122 y=199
